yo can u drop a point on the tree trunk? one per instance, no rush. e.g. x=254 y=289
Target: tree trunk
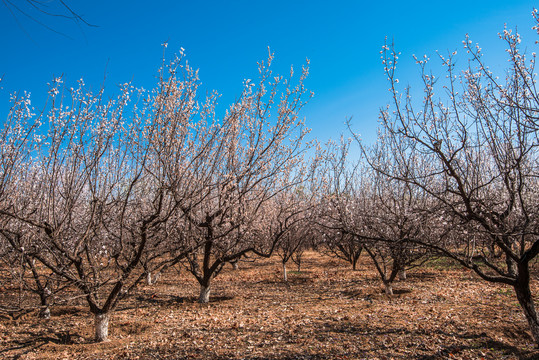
x=526 y=302
x=388 y=288
x=511 y=266
x=208 y=270
x=45 y=311
x=402 y=275
x=525 y=299
x=204 y=297
x=355 y=258
x=152 y=280
x=235 y=265
x=285 y=275
x=102 y=327
x=42 y=290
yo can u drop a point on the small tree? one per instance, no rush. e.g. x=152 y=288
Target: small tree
x=255 y=155
x=23 y=272
x=343 y=246
x=290 y=228
x=393 y=214
x=333 y=212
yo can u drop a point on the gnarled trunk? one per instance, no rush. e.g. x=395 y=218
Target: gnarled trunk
x=526 y=302
x=512 y=267
x=102 y=327
x=525 y=299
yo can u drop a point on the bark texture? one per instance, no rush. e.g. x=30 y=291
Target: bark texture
x=204 y=297
x=102 y=327
x=388 y=289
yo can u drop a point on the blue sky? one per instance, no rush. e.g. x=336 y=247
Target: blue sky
x=225 y=39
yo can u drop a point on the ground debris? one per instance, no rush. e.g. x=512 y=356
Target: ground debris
x=331 y=312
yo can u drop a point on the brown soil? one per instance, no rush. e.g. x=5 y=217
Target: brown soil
x=326 y=311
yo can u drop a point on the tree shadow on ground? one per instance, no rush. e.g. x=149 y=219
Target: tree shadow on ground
x=369 y=295
x=165 y=300
x=34 y=341
x=498 y=346
x=468 y=341
x=421 y=275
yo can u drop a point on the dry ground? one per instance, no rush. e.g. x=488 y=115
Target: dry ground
x=327 y=311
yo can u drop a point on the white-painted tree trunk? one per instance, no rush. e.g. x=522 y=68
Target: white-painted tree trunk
x=285 y=274
x=102 y=327
x=388 y=289
x=402 y=275
x=152 y=280
x=235 y=265
x=45 y=312
x=204 y=297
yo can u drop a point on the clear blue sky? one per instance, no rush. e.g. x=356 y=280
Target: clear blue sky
x=225 y=39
